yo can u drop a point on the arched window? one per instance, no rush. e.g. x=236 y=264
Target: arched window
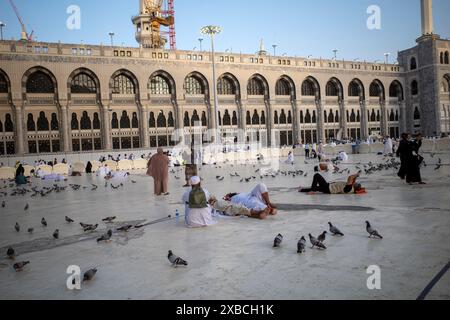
x=331 y=117
x=373 y=116
x=289 y=119
x=9 y=126
x=395 y=91
x=114 y=121
x=159 y=86
x=302 y=120
x=83 y=83
x=255 y=87
x=40 y=82
x=378 y=116
x=314 y=117
x=171 y=121
x=54 y=122
x=234 y=121
x=123 y=85
x=192 y=85
x=414 y=88
x=354 y=89
x=226 y=119
x=135 y=121
x=220 y=118
x=446 y=57
x=283 y=88
x=325 y=118
x=225 y=86
x=392 y=116
x=42 y=122
x=416 y=114
x=283 y=119
x=96 y=122
x=358 y=116
x=85 y=121
x=336 y=118
x=275 y=117
x=396 y=116
x=151 y=120
x=413 y=64
x=204 y=120
x=332 y=89
x=125 y=122
x=263 y=118
x=255 y=118
x=1 y=126
x=161 y=122
x=248 y=119
x=308 y=88
x=308 y=118
x=186 y=119
x=195 y=118
x=353 y=116
x=31 y=125
x=74 y=125
x=3 y=84
x=375 y=90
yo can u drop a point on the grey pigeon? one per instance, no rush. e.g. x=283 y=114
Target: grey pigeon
x=26 y=207
x=10 y=253
x=106 y=237
x=44 y=222
x=19 y=265
x=176 y=261
x=56 y=234
x=322 y=237
x=68 y=220
x=372 y=232
x=89 y=275
x=3 y=204
x=90 y=228
x=109 y=219
x=278 y=240
x=85 y=225
x=316 y=243
x=125 y=228
x=301 y=245
x=335 y=231
x=30 y=230
x=17 y=227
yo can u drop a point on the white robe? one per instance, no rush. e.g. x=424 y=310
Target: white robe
x=254 y=199
x=388 y=146
x=196 y=218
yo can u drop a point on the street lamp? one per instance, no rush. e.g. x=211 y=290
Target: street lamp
x=111 y=34
x=387 y=54
x=335 y=53
x=274 y=46
x=212 y=31
x=200 y=40
x=1 y=29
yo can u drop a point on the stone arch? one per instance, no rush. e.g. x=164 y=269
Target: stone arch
x=202 y=80
x=130 y=76
x=87 y=72
x=169 y=80
x=311 y=87
x=334 y=88
x=356 y=89
x=258 y=80
x=285 y=83
x=376 y=89
x=29 y=73
x=236 y=87
x=396 y=90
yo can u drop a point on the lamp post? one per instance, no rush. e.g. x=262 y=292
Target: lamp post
x=386 y=55
x=212 y=31
x=200 y=40
x=335 y=53
x=111 y=34
x=2 y=25
x=274 y=46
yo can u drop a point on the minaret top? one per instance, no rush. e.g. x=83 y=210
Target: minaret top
x=427 y=17
x=262 y=51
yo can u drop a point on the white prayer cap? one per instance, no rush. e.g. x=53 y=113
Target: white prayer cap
x=194 y=181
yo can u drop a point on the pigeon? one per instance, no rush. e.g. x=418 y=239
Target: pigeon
x=85 y=225
x=125 y=228
x=176 y=261
x=372 y=232
x=301 y=245
x=20 y=265
x=68 y=220
x=132 y=181
x=278 y=240
x=219 y=178
x=335 y=231
x=322 y=237
x=109 y=219
x=106 y=237
x=89 y=275
x=17 y=227
x=316 y=243
x=56 y=234
x=26 y=207
x=90 y=228
x=43 y=222
x=3 y=204
x=30 y=230
x=10 y=253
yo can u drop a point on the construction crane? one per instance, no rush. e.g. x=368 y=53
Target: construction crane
x=24 y=34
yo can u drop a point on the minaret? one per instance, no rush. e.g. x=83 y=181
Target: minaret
x=262 y=51
x=427 y=17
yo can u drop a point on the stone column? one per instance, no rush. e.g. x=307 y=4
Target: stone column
x=402 y=120
x=106 y=125
x=364 y=123
x=320 y=121
x=64 y=130
x=295 y=123
x=145 y=138
x=269 y=123
x=383 y=124
x=343 y=119
x=19 y=126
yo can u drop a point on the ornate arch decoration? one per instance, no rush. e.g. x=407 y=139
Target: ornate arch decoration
x=291 y=84
x=234 y=81
x=377 y=90
x=203 y=82
x=130 y=76
x=338 y=86
x=356 y=89
x=169 y=80
x=263 y=82
x=396 y=90
x=5 y=85
x=90 y=74
x=26 y=76
x=311 y=83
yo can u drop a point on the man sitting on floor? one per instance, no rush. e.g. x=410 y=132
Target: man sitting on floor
x=321 y=185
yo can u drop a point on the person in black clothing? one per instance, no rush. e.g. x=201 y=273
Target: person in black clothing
x=404 y=151
x=20 y=170
x=89 y=167
x=413 y=169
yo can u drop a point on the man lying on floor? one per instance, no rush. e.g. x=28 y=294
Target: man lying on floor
x=257 y=200
x=319 y=184
x=228 y=208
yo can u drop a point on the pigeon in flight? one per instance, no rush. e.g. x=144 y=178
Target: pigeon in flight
x=44 y=222
x=316 y=243
x=68 y=220
x=176 y=261
x=109 y=219
x=20 y=265
x=372 y=232
x=10 y=253
x=301 y=245
x=56 y=234
x=17 y=227
x=335 y=231
x=278 y=240
x=106 y=237
x=89 y=275
x=322 y=237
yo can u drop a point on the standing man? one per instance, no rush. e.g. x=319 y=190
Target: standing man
x=404 y=152
x=158 y=168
